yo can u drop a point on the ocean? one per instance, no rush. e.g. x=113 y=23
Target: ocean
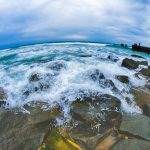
x=59 y=73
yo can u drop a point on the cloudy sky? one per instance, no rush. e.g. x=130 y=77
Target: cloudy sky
x=115 y=21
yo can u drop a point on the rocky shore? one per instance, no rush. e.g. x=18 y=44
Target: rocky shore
x=96 y=122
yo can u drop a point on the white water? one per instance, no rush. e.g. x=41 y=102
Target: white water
x=72 y=80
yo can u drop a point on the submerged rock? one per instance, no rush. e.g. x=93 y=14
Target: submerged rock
x=109 y=83
x=84 y=55
x=96 y=75
x=3 y=97
x=145 y=72
x=34 y=78
x=113 y=58
x=57 y=66
x=132 y=64
x=25 y=131
x=123 y=78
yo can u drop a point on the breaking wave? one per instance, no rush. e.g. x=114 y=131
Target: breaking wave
x=58 y=73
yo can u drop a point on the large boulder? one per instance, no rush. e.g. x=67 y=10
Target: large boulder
x=3 y=97
x=137 y=125
x=94 y=116
x=145 y=72
x=132 y=64
x=26 y=130
x=123 y=78
x=134 y=144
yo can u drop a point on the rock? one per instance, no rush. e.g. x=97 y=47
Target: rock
x=96 y=75
x=106 y=142
x=137 y=56
x=3 y=97
x=34 y=78
x=138 y=125
x=95 y=108
x=132 y=64
x=146 y=110
x=145 y=72
x=132 y=145
x=58 y=140
x=123 y=78
x=141 y=96
x=94 y=116
x=113 y=58
x=27 y=130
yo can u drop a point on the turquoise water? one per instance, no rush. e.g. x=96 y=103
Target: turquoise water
x=64 y=70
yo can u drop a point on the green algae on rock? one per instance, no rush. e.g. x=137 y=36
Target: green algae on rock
x=58 y=139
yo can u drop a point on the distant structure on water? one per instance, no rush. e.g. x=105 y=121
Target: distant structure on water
x=124 y=45
x=141 y=48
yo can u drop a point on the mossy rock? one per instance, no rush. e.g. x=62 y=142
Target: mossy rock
x=145 y=72
x=59 y=140
x=141 y=97
x=132 y=64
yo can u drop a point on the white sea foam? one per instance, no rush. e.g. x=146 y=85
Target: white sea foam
x=64 y=74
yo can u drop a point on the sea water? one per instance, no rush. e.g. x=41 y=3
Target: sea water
x=65 y=71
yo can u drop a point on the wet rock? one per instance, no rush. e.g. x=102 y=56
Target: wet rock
x=132 y=64
x=3 y=97
x=146 y=110
x=25 y=131
x=93 y=117
x=141 y=96
x=138 y=125
x=96 y=75
x=95 y=108
x=137 y=56
x=34 y=78
x=58 y=140
x=113 y=58
x=145 y=72
x=106 y=142
x=132 y=145
x=123 y=78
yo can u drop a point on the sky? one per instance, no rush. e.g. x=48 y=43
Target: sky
x=109 y=21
